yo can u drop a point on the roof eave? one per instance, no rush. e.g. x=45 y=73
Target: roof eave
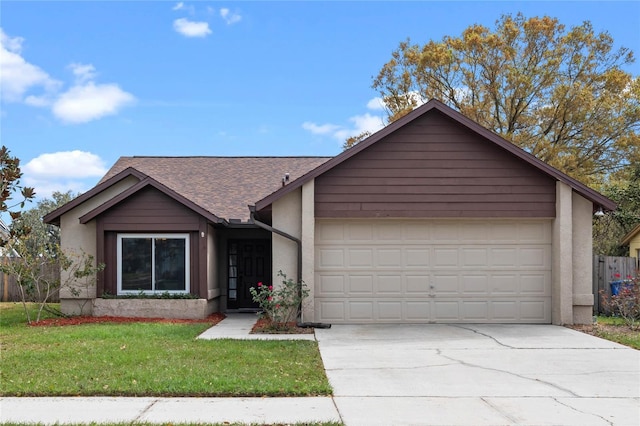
x=54 y=216
x=148 y=181
x=627 y=238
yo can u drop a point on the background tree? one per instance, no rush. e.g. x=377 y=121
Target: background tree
x=559 y=94
x=11 y=174
x=37 y=234
x=609 y=230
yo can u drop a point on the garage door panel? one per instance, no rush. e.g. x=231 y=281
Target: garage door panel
x=360 y=258
x=474 y=257
x=330 y=258
x=331 y=285
x=389 y=285
x=389 y=257
x=446 y=257
x=360 y=285
x=417 y=285
x=433 y=271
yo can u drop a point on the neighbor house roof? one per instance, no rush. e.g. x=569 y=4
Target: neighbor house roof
x=222 y=186
x=627 y=238
x=435 y=105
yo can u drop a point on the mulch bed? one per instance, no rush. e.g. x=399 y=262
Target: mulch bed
x=58 y=322
x=264 y=326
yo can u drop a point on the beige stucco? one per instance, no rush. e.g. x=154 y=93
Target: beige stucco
x=286 y=214
x=81 y=238
x=572 y=294
x=582 y=241
x=308 y=247
x=213 y=265
x=562 y=264
x=153 y=308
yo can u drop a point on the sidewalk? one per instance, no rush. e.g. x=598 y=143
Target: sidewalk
x=167 y=410
x=65 y=410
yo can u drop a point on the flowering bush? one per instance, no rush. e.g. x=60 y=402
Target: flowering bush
x=280 y=305
x=626 y=304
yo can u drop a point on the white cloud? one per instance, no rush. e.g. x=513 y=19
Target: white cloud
x=88 y=102
x=64 y=171
x=359 y=123
x=19 y=76
x=375 y=104
x=65 y=164
x=230 y=17
x=191 y=28
x=83 y=72
x=82 y=102
x=178 y=6
x=322 y=129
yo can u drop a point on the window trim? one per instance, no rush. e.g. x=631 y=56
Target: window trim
x=153 y=236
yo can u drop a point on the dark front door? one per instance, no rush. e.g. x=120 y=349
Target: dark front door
x=249 y=263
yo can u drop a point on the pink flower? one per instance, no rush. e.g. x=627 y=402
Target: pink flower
x=260 y=284
x=629 y=277
x=270 y=287
x=277 y=306
x=616 y=275
x=269 y=298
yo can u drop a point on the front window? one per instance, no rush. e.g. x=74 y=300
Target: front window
x=151 y=263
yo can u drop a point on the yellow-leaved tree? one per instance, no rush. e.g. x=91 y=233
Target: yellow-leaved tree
x=560 y=94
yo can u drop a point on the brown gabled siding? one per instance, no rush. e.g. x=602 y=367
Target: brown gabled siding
x=151 y=211
x=434 y=167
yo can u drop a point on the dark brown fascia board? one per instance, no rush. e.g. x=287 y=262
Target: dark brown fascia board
x=54 y=217
x=627 y=238
x=149 y=181
x=590 y=194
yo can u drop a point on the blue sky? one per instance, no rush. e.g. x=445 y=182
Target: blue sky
x=84 y=82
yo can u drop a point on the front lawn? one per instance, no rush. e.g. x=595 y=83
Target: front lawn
x=149 y=359
x=614 y=329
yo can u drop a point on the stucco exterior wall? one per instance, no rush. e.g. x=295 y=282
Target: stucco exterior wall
x=286 y=216
x=308 y=248
x=214 y=285
x=582 y=223
x=562 y=272
x=78 y=238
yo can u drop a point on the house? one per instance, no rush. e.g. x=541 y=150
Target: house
x=432 y=219
x=632 y=239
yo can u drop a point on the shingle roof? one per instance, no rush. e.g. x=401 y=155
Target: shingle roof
x=224 y=186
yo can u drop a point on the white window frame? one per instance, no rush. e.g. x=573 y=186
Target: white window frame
x=154 y=236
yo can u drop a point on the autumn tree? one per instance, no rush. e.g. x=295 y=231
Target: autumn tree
x=11 y=174
x=560 y=94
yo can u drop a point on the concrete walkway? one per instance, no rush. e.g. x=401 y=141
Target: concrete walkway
x=238 y=326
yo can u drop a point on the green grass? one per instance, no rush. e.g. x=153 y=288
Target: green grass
x=149 y=359
x=614 y=329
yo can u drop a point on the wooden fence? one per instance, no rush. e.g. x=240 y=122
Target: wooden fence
x=9 y=291
x=605 y=270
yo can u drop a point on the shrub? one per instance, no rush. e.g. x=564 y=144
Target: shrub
x=626 y=304
x=280 y=305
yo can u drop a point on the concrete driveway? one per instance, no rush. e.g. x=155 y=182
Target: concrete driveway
x=479 y=375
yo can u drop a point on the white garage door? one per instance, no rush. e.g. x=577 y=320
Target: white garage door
x=416 y=271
